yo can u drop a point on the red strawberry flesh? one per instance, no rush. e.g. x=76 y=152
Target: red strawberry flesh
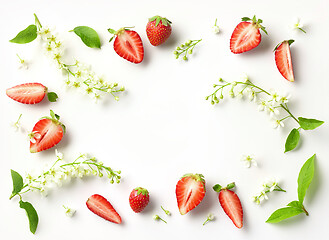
x=28 y=93
x=231 y=205
x=103 y=208
x=190 y=191
x=245 y=37
x=283 y=61
x=51 y=133
x=128 y=45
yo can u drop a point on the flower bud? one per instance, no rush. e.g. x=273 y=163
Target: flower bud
x=190 y=51
x=185 y=58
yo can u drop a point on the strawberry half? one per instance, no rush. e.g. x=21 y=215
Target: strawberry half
x=103 y=208
x=27 y=93
x=230 y=203
x=190 y=190
x=138 y=199
x=158 y=30
x=246 y=35
x=128 y=44
x=46 y=133
x=283 y=59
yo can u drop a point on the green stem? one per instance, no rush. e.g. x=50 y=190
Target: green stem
x=37 y=22
x=306 y=212
x=287 y=110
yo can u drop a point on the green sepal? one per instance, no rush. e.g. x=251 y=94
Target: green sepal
x=230 y=185
x=141 y=190
x=217 y=188
x=112 y=31
x=245 y=19
x=290 y=41
x=31 y=214
x=159 y=19
x=52 y=96
x=25 y=36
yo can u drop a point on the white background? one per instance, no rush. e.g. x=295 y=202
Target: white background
x=162 y=127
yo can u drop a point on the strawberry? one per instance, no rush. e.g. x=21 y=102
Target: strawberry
x=138 y=199
x=190 y=190
x=46 y=133
x=128 y=44
x=283 y=59
x=230 y=203
x=28 y=93
x=158 y=30
x=246 y=35
x=103 y=208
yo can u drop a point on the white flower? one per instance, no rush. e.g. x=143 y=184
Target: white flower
x=275 y=96
x=273 y=111
x=276 y=123
x=298 y=25
x=270 y=184
x=251 y=94
x=44 y=33
x=262 y=105
x=248 y=160
x=263 y=196
x=17 y=125
x=211 y=216
x=34 y=136
x=215 y=28
x=285 y=98
x=96 y=97
x=59 y=155
x=69 y=211
x=49 y=49
x=245 y=78
x=240 y=95
x=23 y=64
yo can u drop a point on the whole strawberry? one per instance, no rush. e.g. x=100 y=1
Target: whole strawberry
x=138 y=199
x=158 y=30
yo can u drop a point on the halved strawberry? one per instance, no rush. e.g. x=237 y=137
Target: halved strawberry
x=230 y=203
x=283 y=59
x=128 y=44
x=46 y=133
x=103 y=208
x=190 y=190
x=27 y=93
x=246 y=35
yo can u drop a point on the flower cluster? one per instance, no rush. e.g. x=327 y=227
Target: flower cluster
x=268 y=101
x=267 y=187
x=79 y=75
x=61 y=172
x=186 y=48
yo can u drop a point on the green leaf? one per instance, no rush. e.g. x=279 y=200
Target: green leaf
x=305 y=178
x=295 y=204
x=31 y=214
x=17 y=182
x=52 y=96
x=283 y=213
x=292 y=140
x=26 y=36
x=52 y=114
x=217 y=188
x=309 y=124
x=89 y=36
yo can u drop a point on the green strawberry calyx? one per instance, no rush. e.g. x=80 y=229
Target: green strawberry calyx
x=141 y=190
x=157 y=20
x=118 y=32
x=256 y=22
x=218 y=188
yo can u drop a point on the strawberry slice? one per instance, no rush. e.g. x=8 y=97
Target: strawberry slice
x=230 y=203
x=246 y=35
x=27 y=93
x=190 y=190
x=46 y=133
x=283 y=59
x=128 y=45
x=103 y=208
